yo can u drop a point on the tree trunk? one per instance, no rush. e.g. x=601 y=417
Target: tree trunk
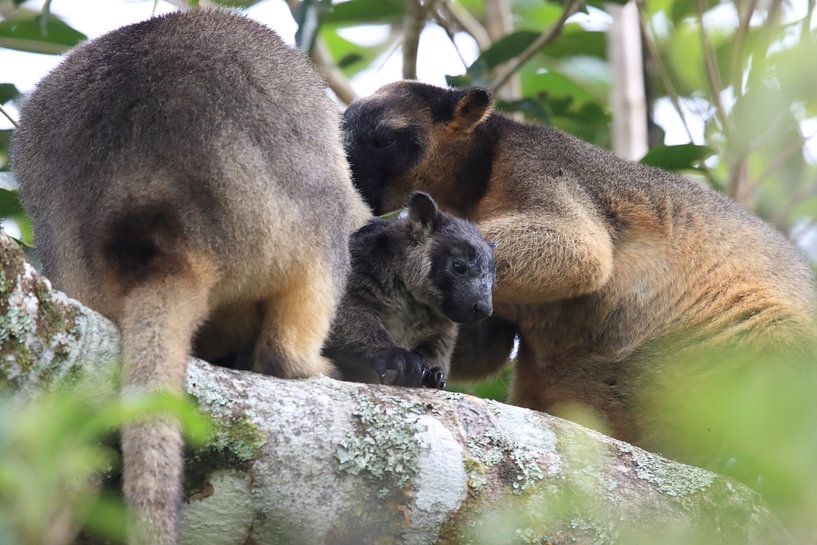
x=321 y=461
x=627 y=98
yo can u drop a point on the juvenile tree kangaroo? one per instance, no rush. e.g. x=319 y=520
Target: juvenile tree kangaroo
x=413 y=281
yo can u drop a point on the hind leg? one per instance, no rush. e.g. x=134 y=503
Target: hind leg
x=296 y=324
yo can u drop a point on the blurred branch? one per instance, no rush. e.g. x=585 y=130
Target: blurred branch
x=713 y=78
x=781 y=216
x=804 y=29
x=536 y=46
x=414 y=20
x=499 y=23
x=323 y=461
x=467 y=22
x=779 y=159
x=740 y=39
x=441 y=19
x=627 y=96
x=663 y=73
x=7 y=116
x=330 y=72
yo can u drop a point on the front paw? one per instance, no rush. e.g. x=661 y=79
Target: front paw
x=399 y=367
x=433 y=377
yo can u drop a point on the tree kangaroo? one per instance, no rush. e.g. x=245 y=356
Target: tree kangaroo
x=181 y=171
x=413 y=281
x=613 y=274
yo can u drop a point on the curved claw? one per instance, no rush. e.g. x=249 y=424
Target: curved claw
x=433 y=377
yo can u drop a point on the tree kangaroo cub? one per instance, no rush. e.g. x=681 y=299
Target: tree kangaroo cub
x=181 y=171
x=412 y=281
x=610 y=272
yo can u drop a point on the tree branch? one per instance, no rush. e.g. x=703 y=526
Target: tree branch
x=322 y=461
x=332 y=75
x=8 y=116
x=663 y=74
x=627 y=97
x=505 y=75
x=467 y=22
x=413 y=22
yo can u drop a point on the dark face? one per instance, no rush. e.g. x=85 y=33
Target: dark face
x=389 y=136
x=380 y=147
x=464 y=271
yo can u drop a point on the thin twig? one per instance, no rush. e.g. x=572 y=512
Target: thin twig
x=467 y=22
x=334 y=77
x=804 y=29
x=713 y=78
x=446 y=26
x=536 y=46
x=45 y=13
x=5 y=113
x=663 y=74
x=781 y=158
x=413 y=23
x=781 y=216
x=740 y=40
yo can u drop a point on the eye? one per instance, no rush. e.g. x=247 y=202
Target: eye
x=458 y=266
x=382 y=143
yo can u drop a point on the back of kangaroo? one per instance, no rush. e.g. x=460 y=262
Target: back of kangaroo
x=182 y=171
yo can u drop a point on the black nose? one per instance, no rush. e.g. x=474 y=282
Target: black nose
x=483 y=309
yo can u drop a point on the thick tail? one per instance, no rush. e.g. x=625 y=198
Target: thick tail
x=159 y=317
x=162 y=287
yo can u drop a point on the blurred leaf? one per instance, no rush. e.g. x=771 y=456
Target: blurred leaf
x=10 y=204
x=503 y=50
x=364 y=11
x=7 y=92
x=350 y=57
x=574 y=41
x=533 y=110
x=231 y=3
x=554 y=84
x=681 y=157
x=24 y=34
x=492 y=389
x=107 y=518
x=5 y=138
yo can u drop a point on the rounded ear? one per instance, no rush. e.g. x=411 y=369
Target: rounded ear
x=471 y=109
x=422 y=212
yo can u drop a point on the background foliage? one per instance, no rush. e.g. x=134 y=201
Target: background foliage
x=737 y=80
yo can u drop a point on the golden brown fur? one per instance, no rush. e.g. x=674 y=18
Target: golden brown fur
x=609 y=271
x=183 y=172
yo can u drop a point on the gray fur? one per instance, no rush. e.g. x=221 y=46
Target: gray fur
x=403 y=301
x=188 y=170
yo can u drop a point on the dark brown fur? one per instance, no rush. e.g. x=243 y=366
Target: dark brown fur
x=183 y=172
x=605 y=268
x=404 y=299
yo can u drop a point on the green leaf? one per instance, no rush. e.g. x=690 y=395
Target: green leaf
x=25 y=34
x=7 y=92
x=503 y=50
x=364 y=11
x=685 y=156
x=10 y=205
x=350 y=57
x=573 y=42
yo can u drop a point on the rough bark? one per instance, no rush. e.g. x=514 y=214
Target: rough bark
x=321 y=461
